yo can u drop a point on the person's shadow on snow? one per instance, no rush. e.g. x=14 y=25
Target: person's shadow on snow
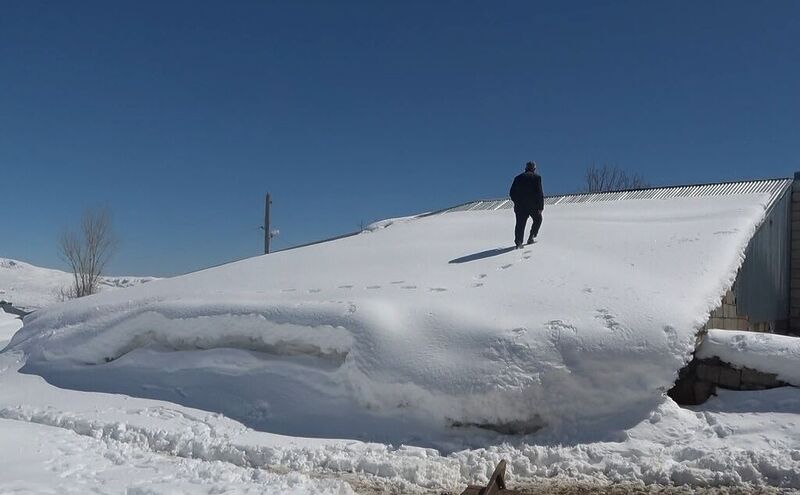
x=482 y=255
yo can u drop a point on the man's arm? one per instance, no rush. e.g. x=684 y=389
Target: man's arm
x=514 y=192
x=539 y=194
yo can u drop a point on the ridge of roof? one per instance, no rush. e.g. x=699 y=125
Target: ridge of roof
x=774 y=187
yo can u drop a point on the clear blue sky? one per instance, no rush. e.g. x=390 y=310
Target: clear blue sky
x=180 y=115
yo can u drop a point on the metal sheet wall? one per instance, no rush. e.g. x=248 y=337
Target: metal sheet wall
x=762 y=288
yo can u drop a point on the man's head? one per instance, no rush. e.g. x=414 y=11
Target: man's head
x=530 y=166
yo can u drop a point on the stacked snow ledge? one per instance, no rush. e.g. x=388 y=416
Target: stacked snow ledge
x=399 y=334
x=768 y=353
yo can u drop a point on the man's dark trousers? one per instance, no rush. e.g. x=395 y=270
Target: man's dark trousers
x=522 y=219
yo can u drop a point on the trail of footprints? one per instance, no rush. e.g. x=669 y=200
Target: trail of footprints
x=479 y=281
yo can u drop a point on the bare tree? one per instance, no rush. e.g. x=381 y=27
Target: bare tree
x=611 y=178
x=88 y=251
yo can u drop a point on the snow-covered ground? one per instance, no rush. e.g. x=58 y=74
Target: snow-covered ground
x=32 y=287
x=71 y=441
x=9 y=324
x=424 y=334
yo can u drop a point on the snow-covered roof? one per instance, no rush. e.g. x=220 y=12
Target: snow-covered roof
x=422 y=323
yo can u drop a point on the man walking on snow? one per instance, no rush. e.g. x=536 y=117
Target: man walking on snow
x=526 y=193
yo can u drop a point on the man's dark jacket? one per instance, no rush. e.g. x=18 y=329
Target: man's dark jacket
x=526 y=192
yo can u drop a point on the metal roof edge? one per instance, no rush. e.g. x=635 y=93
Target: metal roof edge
x=660 y=192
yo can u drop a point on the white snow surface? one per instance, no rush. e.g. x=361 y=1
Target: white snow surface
x=770 y=353
x=31 y=287
x=9 y=324
x=399 y=334
x=54 y=440
x=37 y=458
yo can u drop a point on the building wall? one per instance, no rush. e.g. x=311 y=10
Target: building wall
x=762 y=298
x=728 y=317
x=762 y=287
x=795 y=258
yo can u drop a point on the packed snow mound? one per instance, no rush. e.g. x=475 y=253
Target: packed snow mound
x=766 y=352
x=423 y=325
x=32 y=287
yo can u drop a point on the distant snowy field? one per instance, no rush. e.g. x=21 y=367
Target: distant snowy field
x=423 y=334
x=32 y=287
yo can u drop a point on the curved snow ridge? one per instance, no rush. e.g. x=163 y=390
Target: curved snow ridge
x=364 y=342
x=312 y=329
x=664 y=450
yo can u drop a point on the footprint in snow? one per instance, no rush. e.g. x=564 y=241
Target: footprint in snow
x=397 y=282
x=345 y=286
x=409 y=287
x=437 y=289
x=478 y=284
x=505 y=267
x=480 y=276
x=314 y=291
x=373 y=287
x=288 y=290
x=526 y=255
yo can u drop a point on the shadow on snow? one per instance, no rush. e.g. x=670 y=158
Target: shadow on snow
x=482 y=255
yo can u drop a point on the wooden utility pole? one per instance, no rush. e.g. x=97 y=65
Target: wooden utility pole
x=267 y=233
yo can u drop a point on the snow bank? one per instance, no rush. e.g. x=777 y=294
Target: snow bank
x=429 y=323
x=736 y=439
x=46 y=459
x=770 y=353
x=32 y=287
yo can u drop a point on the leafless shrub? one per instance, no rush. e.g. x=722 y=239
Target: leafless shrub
x=64 y=293
x=611 y=178
x=88 y=251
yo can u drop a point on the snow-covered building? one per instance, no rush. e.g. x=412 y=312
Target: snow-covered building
x=765 y=296
x=432 y=331
x=432 y=325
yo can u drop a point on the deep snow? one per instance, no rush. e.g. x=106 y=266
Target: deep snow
x=400 y=333
x=81 y=441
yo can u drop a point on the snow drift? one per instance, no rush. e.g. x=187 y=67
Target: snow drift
x=422 y=325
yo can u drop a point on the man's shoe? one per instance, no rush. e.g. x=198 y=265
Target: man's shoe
x=518 y=246
x=531 y=240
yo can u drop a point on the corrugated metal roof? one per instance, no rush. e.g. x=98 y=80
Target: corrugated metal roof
x=774 y=187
